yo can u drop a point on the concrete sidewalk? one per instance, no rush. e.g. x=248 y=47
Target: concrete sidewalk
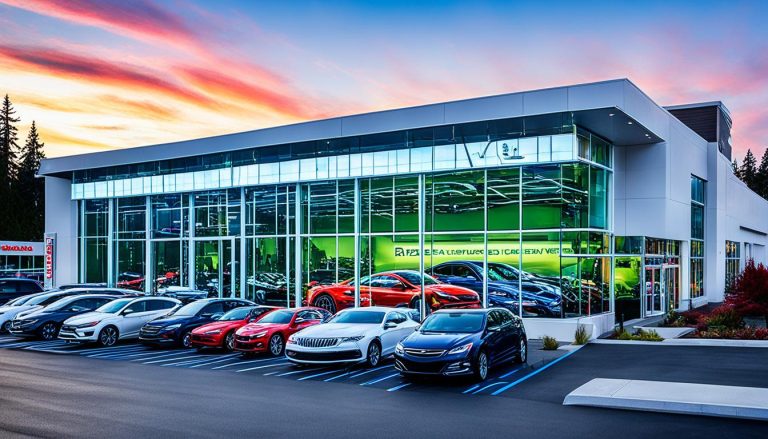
x=672 y=397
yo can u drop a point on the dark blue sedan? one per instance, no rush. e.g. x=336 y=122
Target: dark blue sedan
x=504 y=285
x=463 y=342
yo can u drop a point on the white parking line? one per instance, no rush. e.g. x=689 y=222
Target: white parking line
x=112 y=349
x=203 y=360
x=337 y=376
x=163 y=360
x=488 y=387
x=294 y=372
x=265 y=366
x=107 y=351
x=167 y=354
x=370 y=370
x=209 y=363
x=315 y=375
x=248 y=362
x=128 y=354
x=396 y=388
x=381 y=379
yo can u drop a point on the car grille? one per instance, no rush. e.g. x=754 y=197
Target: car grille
x=412 y=366
x=424 y=352
x=324 y=356
x=316 y=342
x=67 y=329
x=150 y=330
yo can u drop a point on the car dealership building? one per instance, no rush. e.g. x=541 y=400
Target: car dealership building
x=619 y=207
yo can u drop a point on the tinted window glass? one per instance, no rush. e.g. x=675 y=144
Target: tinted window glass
x=493 y=319
x=114 y=306
x=281 y=317
x=385 y=282
x=463 y=271
x=140 y=306
x=415 y=279
x=396 y=317
x=453 y=322
x=236 y=314
x=7 y=287
x=445 y=270
x=159 y=305
x=213 y=308
x=372 y=317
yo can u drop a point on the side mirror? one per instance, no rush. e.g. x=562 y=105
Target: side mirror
x=217 y=315
x=390 y=325
x=493 y=329
x=127 y=311
x=299 y=321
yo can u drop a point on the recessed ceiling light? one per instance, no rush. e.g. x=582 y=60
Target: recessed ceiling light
x=629 y=122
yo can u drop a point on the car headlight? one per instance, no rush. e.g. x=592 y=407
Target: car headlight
x=213 y=332
x=26 y=322
x=461 y=349
x=172 y=327
x=497 y=293
x=399 y=349
x=259 y=334
x=443 y=295
x=355 y=338
x=88 y=325
x=291 y=339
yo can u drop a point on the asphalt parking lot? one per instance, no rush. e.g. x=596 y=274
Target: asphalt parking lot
x=55 y=390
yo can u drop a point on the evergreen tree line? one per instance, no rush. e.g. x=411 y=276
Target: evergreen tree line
x=754 y=175
x=22 y=203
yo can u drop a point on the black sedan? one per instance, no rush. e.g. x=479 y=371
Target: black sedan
x=176 y=328
x=45 y=323
x=463 y=342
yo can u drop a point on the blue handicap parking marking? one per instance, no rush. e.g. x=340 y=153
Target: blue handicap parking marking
x=535 y=372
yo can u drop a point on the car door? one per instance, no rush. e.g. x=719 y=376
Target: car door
x=133 y=317
x=494 y=337
x=388 y=290
x=390 y=336
x=510 y=335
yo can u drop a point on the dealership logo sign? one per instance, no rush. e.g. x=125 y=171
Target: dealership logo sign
x=49 y=258
x=16 y=248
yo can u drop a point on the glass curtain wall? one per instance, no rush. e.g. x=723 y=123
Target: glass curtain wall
x=130 y=242
x=732 y=263
x=697 y=237
x=169 y=241
x=93 y=240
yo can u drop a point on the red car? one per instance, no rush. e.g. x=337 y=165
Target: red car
x=393 y=288
x=221 y=333
x=270 y=332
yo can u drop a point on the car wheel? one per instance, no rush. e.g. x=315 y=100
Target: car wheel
x=186 y=339
x=374 y=354
x=481 y=366
x=108 y=336
x=229 y=341
x=522 y=355
x=276 y=345
x=6 y=328
x=326 y=302
x=49 y=331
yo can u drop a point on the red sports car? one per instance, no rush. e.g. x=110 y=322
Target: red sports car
x=393 y=288
x=221 y=333
x=270 y=332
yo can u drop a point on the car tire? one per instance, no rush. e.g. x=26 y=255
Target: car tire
x=108 y=336
x=186 y=339
x=481 y=366
x=49 y=331
x=6 y=328
x=276 y=345
x=229 y=342
x=326 y=302
x=522 y=354
x=373 y=356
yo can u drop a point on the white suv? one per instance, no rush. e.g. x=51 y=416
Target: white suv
x=117 y=320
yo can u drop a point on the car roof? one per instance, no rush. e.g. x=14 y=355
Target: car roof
x=465 y=310
x=375 y=308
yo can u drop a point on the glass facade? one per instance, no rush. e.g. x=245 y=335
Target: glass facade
x=698 y=195
x=538 y=206
x=22 y=266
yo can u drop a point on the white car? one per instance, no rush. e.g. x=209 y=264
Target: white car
x=119 y=319
x=353 y=335
x=18 y=307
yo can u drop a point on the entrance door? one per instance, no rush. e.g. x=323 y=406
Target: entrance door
x=654 y=297
x=215 y=267
x=672 y=287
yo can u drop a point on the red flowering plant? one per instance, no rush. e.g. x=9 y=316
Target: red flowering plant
x=749 y=296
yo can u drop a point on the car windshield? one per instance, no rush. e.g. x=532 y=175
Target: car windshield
x=414 y=278
x=37 y=300
x=191 y=309
x=372 y=317
x=501 y=272
x=113 y=306
x=19 y=301
x=237 y=313
x=277 y=317
x=59 y=304
x=463 y=322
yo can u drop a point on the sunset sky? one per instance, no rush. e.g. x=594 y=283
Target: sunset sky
x=99 y=74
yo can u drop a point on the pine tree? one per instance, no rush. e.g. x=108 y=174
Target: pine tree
x=735 y=168
x=761 y=180
x=29 y=189
x=8 y=142
x=748 y=170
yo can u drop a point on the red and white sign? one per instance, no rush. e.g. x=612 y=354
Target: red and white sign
x=21 y=248
x=16 y=248
x=49 y=241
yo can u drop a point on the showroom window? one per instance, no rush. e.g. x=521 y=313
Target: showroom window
x=732 y=263
x=697 y=236
x=129 y=248
x=93 y=240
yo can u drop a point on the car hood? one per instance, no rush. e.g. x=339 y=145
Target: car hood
x=88 y=317
x=18 y=309
x=337 y=329
x=437 y=340
x=219 y=325
x=171 y=320
x=252 y=328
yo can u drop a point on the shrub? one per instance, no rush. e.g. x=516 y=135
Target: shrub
x=649 y=335
x=692 y=317
x=581 y=336
x=749 y=293
x=740 y=334
x=724 y=316
x=675 y=320
x=550 y=344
